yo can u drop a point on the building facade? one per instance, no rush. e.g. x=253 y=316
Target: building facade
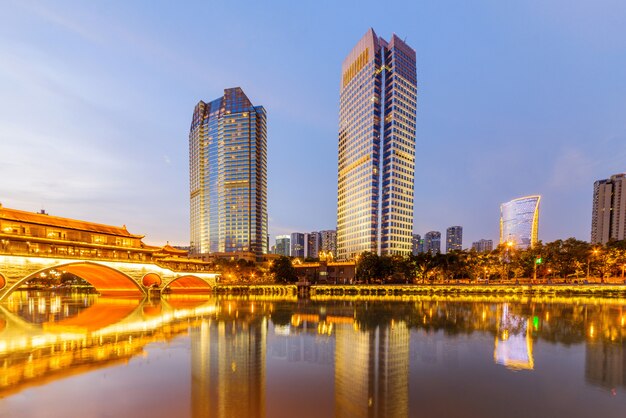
x=283 y=245
x=297 y=244
x=228 y=176
x=519 y=222
x=454 y=238
x=312 y=244
x=432 y=242
x=483 y=245
x=328 y=241
x=415 y=244
x=377 y=121
x=608 y=217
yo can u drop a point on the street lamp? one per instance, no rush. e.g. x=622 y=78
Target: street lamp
x=594 y=252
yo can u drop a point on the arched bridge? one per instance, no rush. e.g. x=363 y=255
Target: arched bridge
x=111 y=278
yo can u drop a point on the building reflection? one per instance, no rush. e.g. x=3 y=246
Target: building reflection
x=605 y=351
x=372 y=370
x=228 y=366
x=513 y=342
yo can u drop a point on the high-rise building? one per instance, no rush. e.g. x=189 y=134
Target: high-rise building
x=377 y=121
x=415 y=244
x=283 y=245
x=454 y=238
x=608 y=218
x=312 y=244
x=228 y=176
x=519 y=222
x=297 y=244
x=483 y=245
x=328 y=240
x=432 y=242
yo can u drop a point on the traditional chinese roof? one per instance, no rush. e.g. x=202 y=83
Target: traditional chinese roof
x=15 y=215
x=175 y=251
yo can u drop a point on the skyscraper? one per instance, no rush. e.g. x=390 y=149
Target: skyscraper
x=297 y=244
x=432 y=242
x=608 y=218
x=454 y=238
x=228 y=176
x=377 y=121
x=519 y=221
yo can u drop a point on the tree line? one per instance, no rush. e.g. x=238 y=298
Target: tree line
x=569 y=259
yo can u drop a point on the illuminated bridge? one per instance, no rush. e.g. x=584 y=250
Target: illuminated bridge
x=114 y=261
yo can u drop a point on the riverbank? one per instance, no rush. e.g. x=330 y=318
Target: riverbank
x=340 y=291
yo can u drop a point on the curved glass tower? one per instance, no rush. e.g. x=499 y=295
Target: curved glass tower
x=228 y=176
x=377 y=120
x=519 y=221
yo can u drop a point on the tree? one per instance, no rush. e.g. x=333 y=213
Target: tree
x=367 y=266
x=282 y=271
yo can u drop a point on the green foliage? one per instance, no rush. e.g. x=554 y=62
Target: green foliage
x=283 y=271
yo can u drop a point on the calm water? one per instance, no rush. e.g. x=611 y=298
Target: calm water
x=85 y=356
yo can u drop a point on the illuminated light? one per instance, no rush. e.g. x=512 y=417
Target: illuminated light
x=536 y=322
x=592 y=331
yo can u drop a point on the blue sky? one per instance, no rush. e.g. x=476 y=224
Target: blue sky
x=514 y=98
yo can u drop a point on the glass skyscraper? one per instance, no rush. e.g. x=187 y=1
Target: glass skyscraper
x=454 y=238
x=377 y=121
x=228 y=176
x=519 y=222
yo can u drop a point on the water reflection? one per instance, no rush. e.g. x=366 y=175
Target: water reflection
x=258 y=358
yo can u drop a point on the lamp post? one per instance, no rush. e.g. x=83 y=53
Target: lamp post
x=594 y=252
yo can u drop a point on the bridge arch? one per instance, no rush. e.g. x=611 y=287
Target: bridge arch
x=106 y=280
x=151 y=280
x=188 y=284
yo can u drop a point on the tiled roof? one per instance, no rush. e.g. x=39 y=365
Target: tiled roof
x=55 y=221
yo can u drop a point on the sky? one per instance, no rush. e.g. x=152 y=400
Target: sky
x=514 y=98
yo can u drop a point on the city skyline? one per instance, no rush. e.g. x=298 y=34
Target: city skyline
x=111 y=143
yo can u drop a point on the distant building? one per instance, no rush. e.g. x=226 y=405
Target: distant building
x=328 y=241
x=420 y=246
x=312 y=243
x=454 y=238
x=297 y=244
x=608 y=218
x=483 y=245
x=519 y=222
x=432 y=242
x=228 y=176
x=415 y=242
x=283 y=245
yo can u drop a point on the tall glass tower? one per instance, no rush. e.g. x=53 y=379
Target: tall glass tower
x=519 y=222
x=228 y=176
x=377 y=121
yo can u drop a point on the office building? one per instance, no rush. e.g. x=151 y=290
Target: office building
x=483 y=245
x=432 y=242
x=377 y=121
x=454 y=238
x=283 y=245
x=297 y=244
x=228 y=176
x=608 y=218
x=519 y=222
